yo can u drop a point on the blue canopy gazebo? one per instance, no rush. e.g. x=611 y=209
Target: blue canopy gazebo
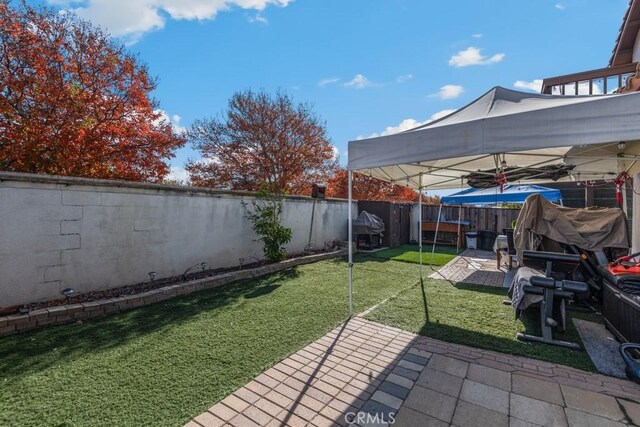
x=493 y=196
x=513 y=193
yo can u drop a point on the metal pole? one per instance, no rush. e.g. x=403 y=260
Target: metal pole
x=350 y=245
x=625 y=205
x=458 y=240
x=420 y=222
x=435 y=238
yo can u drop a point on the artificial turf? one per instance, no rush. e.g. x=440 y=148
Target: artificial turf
x=410 y=253
x=474 y=315
x=162 y=364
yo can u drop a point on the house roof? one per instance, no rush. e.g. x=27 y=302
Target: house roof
x=623 y=50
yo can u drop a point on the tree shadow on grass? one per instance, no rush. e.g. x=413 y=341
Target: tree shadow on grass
x=23 y=354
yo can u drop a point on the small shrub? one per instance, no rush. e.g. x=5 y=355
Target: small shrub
x=265 y=221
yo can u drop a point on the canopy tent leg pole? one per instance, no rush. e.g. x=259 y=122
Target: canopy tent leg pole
x=350 y=227
x=420 y=222
x=459 y=227
x=435 y=237
x=635 y=217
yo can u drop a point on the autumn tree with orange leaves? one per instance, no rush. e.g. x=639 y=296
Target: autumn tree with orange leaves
x=262 y=140
x=369 y=188
x=75 y=102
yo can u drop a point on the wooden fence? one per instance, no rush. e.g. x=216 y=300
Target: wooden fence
x=490 y=218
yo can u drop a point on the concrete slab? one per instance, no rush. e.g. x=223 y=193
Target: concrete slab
x=490 y=376
x=486 y=396
x=592 y=403
x=548 y=391
x=582 y=419
x=469 y=415
x=536 y=411
x=449 y=365
x=515 y=422
x=440 y=381
x=432 y=403
x=632 y=410
x=408 y=417
x=472 y=266
x=602 y=348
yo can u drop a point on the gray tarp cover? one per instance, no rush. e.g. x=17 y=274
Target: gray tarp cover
x=590 y=228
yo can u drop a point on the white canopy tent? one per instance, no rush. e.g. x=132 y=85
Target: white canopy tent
x=502 y=134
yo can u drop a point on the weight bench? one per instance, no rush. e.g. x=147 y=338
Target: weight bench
x=551 y=289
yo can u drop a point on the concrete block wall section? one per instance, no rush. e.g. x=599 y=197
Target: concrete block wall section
x=59 y=232
x=40 y=318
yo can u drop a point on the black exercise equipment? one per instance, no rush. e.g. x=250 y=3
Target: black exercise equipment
x=552 y=287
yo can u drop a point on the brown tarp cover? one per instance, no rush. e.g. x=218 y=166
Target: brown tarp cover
x=591 y=229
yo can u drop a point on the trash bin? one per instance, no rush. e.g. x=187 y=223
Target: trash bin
x=486 y=238
x=472 y=239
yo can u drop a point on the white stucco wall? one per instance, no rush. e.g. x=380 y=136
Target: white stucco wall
x=92 y=234
x=636 y=49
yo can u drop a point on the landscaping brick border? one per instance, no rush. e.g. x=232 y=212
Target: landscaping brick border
x=59 y=315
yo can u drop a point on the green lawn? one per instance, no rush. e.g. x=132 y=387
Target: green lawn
x=410 y=253
x=165 y=363
x=474 y=315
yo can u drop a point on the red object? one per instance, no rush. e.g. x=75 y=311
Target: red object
x=625 y=265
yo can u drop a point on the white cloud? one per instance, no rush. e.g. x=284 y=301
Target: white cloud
x=328 y=81
x=560 y=6
x=534 y=86
x=178 y=174
x=477 y=35
x=473 y=56
x=449 y=92
x=173 y=119
x=404 y=78
x=407 y=124
x=359 y=81
x=134 y=18
x=258 y=18
x=440 y=114
x=583 y=89
x=336 y=152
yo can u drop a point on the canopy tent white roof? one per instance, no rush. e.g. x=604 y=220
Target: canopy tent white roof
x=505 y=127
x=522 y=129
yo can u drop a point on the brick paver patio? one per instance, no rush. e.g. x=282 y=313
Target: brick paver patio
x=471 y=266
x=364 y=373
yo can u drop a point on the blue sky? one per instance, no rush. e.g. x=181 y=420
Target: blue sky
x=366 y=65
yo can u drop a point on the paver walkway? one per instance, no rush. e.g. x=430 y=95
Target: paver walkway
x=472 y=266
x=364 y=373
